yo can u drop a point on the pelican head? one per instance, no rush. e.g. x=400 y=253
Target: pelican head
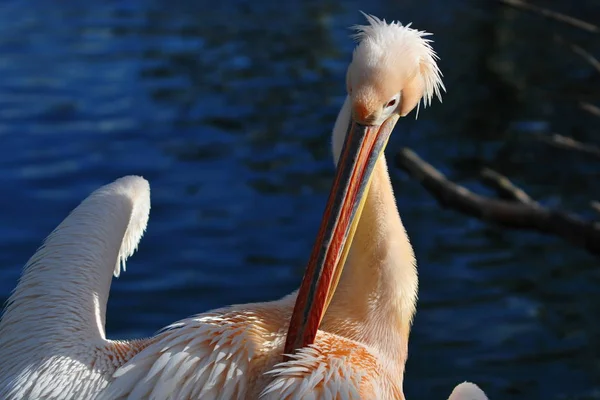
x=393 y=68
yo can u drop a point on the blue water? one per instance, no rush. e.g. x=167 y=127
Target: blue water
x=226 y=108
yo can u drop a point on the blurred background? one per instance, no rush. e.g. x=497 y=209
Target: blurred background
x=226 y=108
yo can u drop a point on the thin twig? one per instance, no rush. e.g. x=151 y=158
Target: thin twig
x=523 y=5
x=567 y=143
x=592 y=109
x=595 y=206
x=504 y=187
x=509 y=214
x=580 y=51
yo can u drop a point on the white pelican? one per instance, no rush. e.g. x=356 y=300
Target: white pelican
x=52 y=338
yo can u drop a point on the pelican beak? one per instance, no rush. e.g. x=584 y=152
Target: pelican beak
x=362 y=148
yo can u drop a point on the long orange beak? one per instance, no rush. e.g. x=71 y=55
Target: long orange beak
x=362 y=148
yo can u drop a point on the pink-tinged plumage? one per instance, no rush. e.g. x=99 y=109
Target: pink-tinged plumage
x=52 y=340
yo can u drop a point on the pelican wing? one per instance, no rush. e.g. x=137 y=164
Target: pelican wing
x=205 y=357
x=52 y=338
x=332 y=368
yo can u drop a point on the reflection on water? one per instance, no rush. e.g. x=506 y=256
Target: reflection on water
x=227 y=111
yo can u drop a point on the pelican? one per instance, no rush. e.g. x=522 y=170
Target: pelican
x=344 y=333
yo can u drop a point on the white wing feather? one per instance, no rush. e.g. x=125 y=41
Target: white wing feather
x=332 y=368
x=52 y=339
x=311 y=375
x=205 y=357
x=467 y=391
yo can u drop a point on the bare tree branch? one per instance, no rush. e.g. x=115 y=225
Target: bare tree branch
x=509 y=214
x=592 y=109
x=523 y=5
x=504 y=187
x=567 y=143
